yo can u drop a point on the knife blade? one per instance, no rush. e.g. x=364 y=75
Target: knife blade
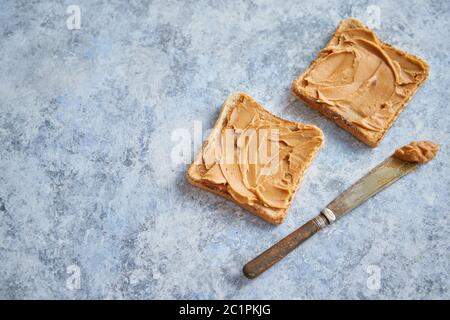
x=379 y=178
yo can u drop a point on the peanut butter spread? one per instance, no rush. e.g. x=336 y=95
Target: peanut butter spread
x=417 y=151
x=257 y=157
x=363 y=80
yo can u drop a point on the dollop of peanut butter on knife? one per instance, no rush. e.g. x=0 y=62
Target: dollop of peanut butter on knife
x=417 y=151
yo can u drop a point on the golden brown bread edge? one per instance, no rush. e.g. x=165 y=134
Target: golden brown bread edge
x=268 y=214
x=338 y=119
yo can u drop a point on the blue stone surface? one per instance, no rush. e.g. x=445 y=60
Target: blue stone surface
x=89 y=189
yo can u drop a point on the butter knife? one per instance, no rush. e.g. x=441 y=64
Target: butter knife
x=380 y=177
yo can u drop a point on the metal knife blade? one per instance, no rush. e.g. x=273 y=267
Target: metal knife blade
x=379 y=178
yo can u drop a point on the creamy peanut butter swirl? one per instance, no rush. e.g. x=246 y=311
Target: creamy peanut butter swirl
x=417 y=151
x=258 y=158
x=364 y=80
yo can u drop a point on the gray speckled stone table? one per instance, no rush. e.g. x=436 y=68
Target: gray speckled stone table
x=88 y=187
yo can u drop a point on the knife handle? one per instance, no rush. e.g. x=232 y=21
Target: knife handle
x=283 y=247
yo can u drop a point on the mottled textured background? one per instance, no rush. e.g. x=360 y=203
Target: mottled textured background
x=87 y=181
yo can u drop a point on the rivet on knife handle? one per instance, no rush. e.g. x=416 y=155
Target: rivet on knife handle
x=283 y=247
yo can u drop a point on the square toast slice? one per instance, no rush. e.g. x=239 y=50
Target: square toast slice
x=359 y=82
x=254 y=158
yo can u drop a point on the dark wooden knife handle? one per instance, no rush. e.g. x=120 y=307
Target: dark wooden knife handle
x=283 y=247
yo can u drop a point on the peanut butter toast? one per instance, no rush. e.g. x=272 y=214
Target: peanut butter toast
x=360 y=83
x=254 y=158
